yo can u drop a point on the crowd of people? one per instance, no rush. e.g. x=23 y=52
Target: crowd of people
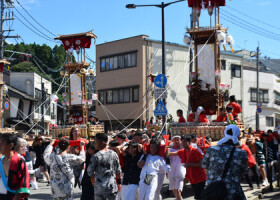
x=134 y=164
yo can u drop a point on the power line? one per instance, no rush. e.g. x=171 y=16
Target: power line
x=252 y=25
x=46 y=36
x=33 y=30
x=244 y=26
x=255 y=19
x=35 y=19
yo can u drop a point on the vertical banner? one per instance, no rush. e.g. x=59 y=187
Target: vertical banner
x=75 y=86
x=206 y=64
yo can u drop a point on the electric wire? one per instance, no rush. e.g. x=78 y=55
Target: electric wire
x=255 y=19
x=35 y=19
x=50 y=38
x=252 y=25
x=248 y=27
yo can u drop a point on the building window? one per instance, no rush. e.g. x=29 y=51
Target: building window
x=119 y=95
x=277 y=120
x=109 y=96
x=101 y=97
x=53 y=111
x=115 y=96
x=263 y=95
x=269 y=121
x=223 y=64
x=119 y=61
x=135 y=94
x=38 y=96
x=236 y=71
x=47 y=105
x=102 y=65
x=277 y=98
x=126 y=95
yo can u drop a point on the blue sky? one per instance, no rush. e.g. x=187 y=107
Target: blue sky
x=111 y=21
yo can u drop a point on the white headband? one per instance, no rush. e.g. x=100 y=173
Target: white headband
x=176 y=136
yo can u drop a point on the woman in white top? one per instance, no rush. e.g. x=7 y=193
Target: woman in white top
x=61 y=168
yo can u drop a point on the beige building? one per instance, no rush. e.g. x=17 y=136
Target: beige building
x=124 y=87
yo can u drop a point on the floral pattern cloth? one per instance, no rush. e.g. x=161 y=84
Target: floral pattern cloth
x=215 y=160
x=104 y=165
x=61 y=172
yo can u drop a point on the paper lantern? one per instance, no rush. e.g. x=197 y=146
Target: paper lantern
x=188 y=40
x=222 y=87
x=227 y=87
x=229 y=40
x=221 y=36
x=218 y=74
x=62 y=73
x=83 y=71
x=90 y=71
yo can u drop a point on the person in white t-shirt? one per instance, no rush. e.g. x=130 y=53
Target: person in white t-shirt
x=178 y=171
x=149 y=174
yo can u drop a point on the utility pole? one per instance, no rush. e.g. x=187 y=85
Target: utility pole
x=42 y=106
x=191 y=63
x=163 y=60
x=9 y=16
x=258 y=92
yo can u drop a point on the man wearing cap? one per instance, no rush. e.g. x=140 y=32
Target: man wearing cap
x=178 y=172
x=235 y=106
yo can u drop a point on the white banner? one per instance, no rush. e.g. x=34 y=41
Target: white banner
x=76 y=86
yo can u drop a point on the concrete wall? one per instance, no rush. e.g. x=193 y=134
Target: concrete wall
x=121 y=78
x=236 y=84
x=266 y=81
x=177 y=71
x=28 y=82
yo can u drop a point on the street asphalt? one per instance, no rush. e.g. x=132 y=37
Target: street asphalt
x=44 y=192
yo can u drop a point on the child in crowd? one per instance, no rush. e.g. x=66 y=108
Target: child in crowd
x=230 y=117
x=178 y=171
x=149 y=174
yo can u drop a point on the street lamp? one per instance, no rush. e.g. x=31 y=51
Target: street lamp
x=162 y=6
